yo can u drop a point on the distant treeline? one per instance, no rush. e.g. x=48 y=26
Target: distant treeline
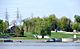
x=44 y=25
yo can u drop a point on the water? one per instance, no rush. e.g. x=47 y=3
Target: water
x=18 y=45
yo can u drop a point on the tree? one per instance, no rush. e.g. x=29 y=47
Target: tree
x=5 y=26
x=53 y=21
x=17 y=31
x=22 y=31
x=43 y=32
x=65 y=23
x=77 y=18
x=1 y=25
x=75 y=26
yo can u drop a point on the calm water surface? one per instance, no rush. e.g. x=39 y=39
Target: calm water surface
x=18 y=45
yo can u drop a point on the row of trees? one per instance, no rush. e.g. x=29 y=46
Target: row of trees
x=44 y=25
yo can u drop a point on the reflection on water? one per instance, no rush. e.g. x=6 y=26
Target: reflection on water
x=18 y=45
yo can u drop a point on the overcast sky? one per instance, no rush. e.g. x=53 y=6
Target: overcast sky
x=40 y=8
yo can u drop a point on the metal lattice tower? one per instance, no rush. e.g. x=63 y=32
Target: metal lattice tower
x=6 y=15
x=18 y=17
x=17 y=13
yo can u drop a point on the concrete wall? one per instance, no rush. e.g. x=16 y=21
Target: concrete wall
x=67 y=39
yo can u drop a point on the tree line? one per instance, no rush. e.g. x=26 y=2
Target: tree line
x=44 y=26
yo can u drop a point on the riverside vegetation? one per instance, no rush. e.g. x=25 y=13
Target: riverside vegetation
x=42 y=26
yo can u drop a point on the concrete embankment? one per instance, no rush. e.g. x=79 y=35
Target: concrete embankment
x=28 y=41
x=70 y=39
x=24 y=41
x=67 y=39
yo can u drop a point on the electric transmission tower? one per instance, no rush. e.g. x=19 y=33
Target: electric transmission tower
x=6 y=15
x=17 y=14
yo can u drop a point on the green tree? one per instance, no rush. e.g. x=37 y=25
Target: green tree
x=17 y=31
x=1 y=25
x=5 y=26
x=77 y=21
x=64 y=23
x=77 y=18
x=43 y=32
x=53 y=21
x=75 y=26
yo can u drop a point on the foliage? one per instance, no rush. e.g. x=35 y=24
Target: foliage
x=1 y=25
x=43 y=25
x=65 y=23
x=19 y=31
x=77 y=18
x=5 y=26
x=53 y=21
x=75 y=26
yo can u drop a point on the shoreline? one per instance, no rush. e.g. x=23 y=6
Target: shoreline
x=39 y=40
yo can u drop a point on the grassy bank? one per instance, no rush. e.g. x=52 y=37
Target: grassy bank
x=25 y=38
x=29 y=36
x=63 y=35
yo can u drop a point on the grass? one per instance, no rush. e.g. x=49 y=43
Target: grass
x=78 y=35
x=3 y=34
x=24 y=38
x=29 y=36
x=63 y=35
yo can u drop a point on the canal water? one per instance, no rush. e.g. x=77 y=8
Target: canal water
x=52 y=45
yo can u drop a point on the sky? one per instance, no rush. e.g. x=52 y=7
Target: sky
x=40 y=8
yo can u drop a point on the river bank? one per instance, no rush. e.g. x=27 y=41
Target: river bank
x=41 y=40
